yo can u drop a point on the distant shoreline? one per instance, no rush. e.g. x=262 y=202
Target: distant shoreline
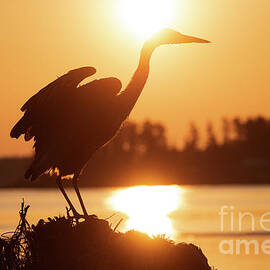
x=127 y=186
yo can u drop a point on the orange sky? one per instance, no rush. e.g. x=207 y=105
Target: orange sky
x=40 y=40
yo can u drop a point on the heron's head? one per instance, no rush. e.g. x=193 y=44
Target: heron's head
x=168 y=36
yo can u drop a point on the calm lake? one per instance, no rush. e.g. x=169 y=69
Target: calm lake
x=215 y=218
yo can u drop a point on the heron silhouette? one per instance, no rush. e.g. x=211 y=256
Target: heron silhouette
x=70 y=122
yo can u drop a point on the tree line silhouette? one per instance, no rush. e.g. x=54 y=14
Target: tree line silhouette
x=141 y=154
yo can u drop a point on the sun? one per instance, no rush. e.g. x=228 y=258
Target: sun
x=145 y=17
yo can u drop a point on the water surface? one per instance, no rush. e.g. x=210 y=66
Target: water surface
x=189 y=214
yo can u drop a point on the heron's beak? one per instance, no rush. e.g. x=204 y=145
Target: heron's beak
x=190 y=39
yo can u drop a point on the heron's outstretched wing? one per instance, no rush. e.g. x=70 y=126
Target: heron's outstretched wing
x=61 y=118
x=42 y=107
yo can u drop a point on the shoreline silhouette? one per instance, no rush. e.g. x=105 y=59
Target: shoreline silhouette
x=140 y=155
x=65 y=243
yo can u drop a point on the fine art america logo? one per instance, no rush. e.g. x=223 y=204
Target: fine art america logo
x=230 y=219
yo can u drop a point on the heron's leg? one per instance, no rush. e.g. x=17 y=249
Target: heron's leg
x=75 y=185
x=59 y=183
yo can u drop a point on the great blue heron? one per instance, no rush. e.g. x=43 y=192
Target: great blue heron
x=70 y=122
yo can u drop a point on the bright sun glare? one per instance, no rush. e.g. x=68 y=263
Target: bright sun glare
x=148 y=207
x=145 y=17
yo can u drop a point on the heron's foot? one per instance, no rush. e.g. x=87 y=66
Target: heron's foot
x=75 y=215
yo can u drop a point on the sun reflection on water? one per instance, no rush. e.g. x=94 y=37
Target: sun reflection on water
x=148 y=207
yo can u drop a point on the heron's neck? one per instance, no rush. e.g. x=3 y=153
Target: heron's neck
x=130 y=95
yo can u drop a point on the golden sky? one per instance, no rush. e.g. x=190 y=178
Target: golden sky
x=41 y=40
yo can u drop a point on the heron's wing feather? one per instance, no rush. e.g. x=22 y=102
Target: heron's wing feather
x=61 y=84
x=98 y=92
x=42 y=108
